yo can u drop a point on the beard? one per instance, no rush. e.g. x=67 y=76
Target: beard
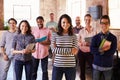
x=40 y=25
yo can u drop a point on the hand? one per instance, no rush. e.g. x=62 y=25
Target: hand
x=25 y=51
x=5 y=57
x=74 y=51
x=106 y=48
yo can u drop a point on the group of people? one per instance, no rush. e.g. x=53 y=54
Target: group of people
x=97 y=49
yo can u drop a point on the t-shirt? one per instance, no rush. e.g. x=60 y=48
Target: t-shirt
x=6 y=42
x=63 y=55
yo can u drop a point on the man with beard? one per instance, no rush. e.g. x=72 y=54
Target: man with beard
x=78 y=26
x=42 y=47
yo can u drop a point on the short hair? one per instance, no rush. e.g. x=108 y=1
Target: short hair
x=105 y=17
x=87 y=15
x=13 y=20
x=51 y=13
x=40 y=17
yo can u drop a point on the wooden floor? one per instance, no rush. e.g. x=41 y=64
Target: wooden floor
x=10 y=73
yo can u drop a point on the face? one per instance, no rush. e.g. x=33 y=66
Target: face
x=51 y=17
x=65 y=25
x=77 y=21
x=87 y=20
x=12 y=24
x=23 y=27
x=40 y=23
x=104 y=25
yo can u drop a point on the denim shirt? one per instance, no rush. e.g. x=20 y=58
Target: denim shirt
x=20 y=42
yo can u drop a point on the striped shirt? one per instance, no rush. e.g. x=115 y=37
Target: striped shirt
x=63 y=50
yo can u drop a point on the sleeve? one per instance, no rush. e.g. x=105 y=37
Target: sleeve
x=49 y=35
x=47 y=25
x=33 y=39
x=3 y=40
x=53 y=41
x=113 y=48
x=14 y=43
x=94 y=48
x=75 y=41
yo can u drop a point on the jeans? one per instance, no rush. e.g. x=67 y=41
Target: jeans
x=44 y=66
x=6 y=68
x=19 y=69
x=57 y=73
x=83 y=58
x=97 y=75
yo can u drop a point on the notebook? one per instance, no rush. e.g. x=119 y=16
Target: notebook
x=30 y=46
x=41 y=39
x=88 y=39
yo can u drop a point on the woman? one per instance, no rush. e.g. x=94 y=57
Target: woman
x=21 y=51
x=64 y=44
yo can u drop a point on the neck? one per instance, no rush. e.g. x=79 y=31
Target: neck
x=104 y=32
x=88 y=28
x=12 y=30
x=65 y=31
x=78 y=26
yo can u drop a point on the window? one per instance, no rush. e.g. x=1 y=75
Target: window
x=21 y=9
x=114 y=13
x=76 y=8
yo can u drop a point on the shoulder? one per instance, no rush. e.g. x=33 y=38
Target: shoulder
x=6 y=32
x=97 y=36
x=82 y=30
x=112 y=35
x=34 y=28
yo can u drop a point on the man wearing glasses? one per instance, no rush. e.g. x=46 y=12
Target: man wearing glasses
x=103 y=47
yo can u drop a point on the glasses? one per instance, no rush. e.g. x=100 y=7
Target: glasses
x=105 y=23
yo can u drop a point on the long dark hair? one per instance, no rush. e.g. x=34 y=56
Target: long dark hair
x=28 y=25
x=60 y=29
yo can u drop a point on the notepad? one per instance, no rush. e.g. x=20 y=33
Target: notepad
x=41 y=39
x=30 y=46
x=88 y=39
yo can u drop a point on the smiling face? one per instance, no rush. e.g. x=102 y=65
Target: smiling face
x=65 y=25
x=77 y=21
x=12 y=24
x=104 y=25
x=40 y=23
x=87 y=20
x=24 y=28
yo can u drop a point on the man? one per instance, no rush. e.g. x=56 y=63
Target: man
x=84 y=39
x=42 y=47
x=52 y=25
x=103 y=47
x=6 y=46
x=78 y=26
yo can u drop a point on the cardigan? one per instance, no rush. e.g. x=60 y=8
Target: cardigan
x=106 y=59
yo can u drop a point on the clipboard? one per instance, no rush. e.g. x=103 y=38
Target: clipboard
x=30 y=46
x=88 y=39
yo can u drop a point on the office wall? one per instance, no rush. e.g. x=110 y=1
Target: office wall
x=1 y=14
